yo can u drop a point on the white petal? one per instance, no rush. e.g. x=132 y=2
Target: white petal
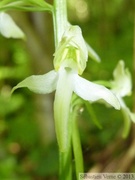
x=122 y=84
x=8 y=28
x=41 y=84
x=93 y=92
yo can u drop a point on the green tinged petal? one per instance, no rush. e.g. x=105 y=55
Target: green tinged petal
x=8 y=28
x=128 y=117
x=72 y=50
x=41 y=84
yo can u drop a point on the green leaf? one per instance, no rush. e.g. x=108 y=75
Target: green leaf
x=28 y=5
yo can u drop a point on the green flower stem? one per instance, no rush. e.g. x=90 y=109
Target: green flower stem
x=59 y=19
x=127 y=123
x=65 y=162
x=77 y=150
x=65 y=158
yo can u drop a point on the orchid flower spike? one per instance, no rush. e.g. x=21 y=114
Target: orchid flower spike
x=121 y=87
x=8 y=28
x=69 y=61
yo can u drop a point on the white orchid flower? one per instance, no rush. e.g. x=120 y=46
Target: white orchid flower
x=69 y=61
x=122 y=86
x=8 y=28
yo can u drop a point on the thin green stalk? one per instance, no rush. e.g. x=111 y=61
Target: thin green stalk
x=65 y=158
x=77 y=145
x=127 y=123
x=59 y=19
x=65 y=168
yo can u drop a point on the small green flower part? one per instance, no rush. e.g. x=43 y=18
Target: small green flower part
x=72 y=51
x=8 y=28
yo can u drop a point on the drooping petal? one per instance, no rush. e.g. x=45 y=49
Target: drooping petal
x=92 y=92
x=127 y=122
x=41 y=84
x=128 y=118
x=62 y=108
x=8 y=28
x=121 y=85
x=130 y=115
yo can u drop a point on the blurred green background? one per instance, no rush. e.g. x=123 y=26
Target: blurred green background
x=28 y=147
